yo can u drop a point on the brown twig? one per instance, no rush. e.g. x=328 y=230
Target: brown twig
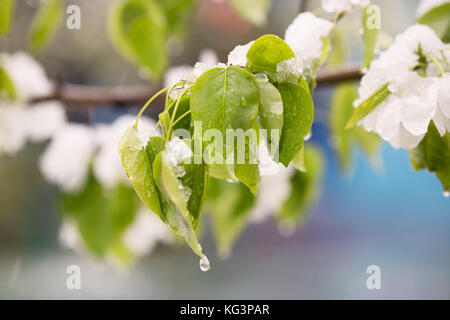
x=83 y=95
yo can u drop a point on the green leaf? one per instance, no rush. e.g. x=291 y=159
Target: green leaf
x=178 y=14
x=6 y=12
x=305 y=189
x=438 y=19
x=224 y=99
x=266 y=53
x=433 y=154
x=341 y=108
x=229 y=205
x=101 y=215
x=368 y=105
x=270 y=112
x=7 y=88
x=45 y=24
x=254 y=11
x=370 y=37
x=195 y=179
x=174 y=201
x=137 y=28
x=137 y=159
x=298 y=117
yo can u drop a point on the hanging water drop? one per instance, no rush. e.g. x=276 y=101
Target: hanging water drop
x=204 y=264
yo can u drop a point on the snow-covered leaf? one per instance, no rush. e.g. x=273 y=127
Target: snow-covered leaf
x=136 y=156
x=266 y=53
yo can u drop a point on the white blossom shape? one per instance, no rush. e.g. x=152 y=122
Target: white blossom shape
x=27 y=75
x=305 y=37
x=145 y=232
x=66 y=160
x=403 y=118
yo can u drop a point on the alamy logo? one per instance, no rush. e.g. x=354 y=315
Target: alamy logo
x=74 y=17
x=74 y=279
x=374 y=280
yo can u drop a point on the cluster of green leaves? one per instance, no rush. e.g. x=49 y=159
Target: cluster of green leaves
x=102 y=216
x=221 y=99
x=433 y=154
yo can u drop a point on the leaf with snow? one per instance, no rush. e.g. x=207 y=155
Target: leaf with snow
x=266 y=53
x=136 y=156
x=175 y=197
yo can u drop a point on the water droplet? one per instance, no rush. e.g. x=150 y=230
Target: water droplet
x=204 y=264
x=446 y=194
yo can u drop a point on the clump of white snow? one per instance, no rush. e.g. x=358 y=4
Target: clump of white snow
x=305 y=36
x=403 y=118
x=177 y=151
x=66 y=160
x=238 y=56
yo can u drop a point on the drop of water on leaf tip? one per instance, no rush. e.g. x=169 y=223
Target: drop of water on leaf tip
x=204 y=264
x=446 y=194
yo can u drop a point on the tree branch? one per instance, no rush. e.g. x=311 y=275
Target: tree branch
x=82 y=95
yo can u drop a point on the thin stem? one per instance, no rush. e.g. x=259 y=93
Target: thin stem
x=172 y=120
x=436 y=62
x=149 y=102
x=181 y=117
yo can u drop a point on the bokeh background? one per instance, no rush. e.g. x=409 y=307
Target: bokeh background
x=390 y=216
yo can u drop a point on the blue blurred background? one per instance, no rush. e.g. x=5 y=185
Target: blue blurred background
x=392 y=217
